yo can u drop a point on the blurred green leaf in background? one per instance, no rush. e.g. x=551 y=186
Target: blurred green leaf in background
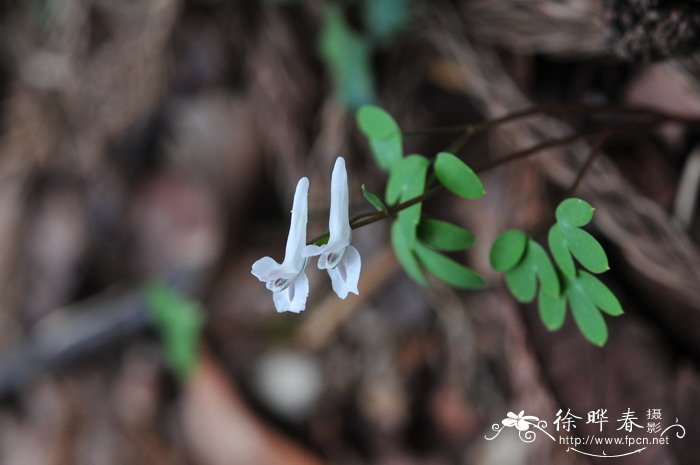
x=179 y=321
x=347 y=54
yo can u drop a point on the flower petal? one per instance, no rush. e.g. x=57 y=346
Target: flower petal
x=339 y=221
x=313 y=250
x=509 y=422
x=293 y=298
x=296 y=241
x=301 y=293
x=353 y=264
x=266 y=269
x=346 y=275
x=332 y=248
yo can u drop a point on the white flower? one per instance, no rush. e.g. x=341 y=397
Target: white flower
x=338 y=257
x=288 y=281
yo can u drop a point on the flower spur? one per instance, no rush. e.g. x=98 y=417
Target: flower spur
x=288 y=281
x=338 y=257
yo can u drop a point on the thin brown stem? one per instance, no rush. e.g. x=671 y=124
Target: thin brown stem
x=372 y=217
x=595 y=151
x=562 y=141
x=555 y=108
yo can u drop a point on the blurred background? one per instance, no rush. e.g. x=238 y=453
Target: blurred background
x=149 y=151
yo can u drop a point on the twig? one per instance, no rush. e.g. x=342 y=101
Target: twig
x=596 y=150
x=562 y=141
x=368 y=218
x=571 y=108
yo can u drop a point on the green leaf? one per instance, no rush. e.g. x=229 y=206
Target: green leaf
x=403 y=249
x=586 y=249
x=522 y=279
x=560 y=251
x=387 y=152
x=552 y=309
x=448 y=270
x=543 y=268
x=600 y=294
x=376 y=123
x=508 y=249
x=405 y=177
x=457 y=177
x=445 y=236
x=383 y=18
x=383 y=133
x=179 y=321
x=587 y=317
x=373 y=199
x=574 y=212
x=413 y=186
x=348 y=55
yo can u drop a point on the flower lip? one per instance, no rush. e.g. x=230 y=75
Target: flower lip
x=280 y=283
x=331 y=259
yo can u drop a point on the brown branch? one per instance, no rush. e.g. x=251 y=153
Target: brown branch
x=657 y=118
x=558 y=108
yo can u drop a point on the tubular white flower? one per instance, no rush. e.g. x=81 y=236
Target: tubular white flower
x=338 y=257
x=288 y=281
